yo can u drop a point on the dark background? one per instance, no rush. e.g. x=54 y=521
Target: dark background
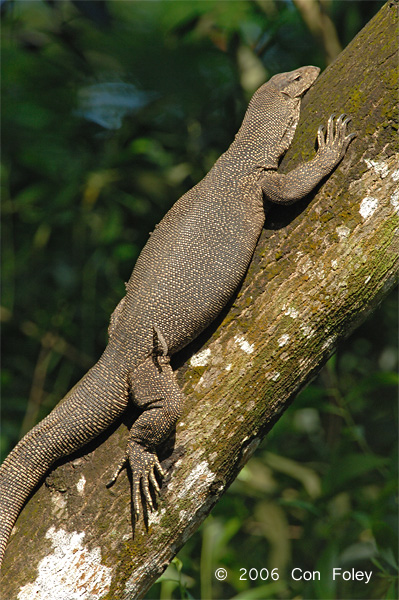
x=110 y=112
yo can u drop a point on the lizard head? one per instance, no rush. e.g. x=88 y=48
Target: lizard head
x=273 y=114
x=294 y=84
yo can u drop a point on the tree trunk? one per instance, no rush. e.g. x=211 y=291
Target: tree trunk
x=320 y=268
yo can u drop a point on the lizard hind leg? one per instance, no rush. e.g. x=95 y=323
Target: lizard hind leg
x=157 y=394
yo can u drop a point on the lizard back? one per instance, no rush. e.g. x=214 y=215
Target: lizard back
x=194 y=260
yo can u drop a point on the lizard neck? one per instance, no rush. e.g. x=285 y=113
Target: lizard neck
x=266 y=133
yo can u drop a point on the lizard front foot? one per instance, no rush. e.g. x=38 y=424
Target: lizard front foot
x=332 y=144
x=144 y=464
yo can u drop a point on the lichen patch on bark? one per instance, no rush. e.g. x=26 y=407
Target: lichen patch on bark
x=368 y=206
x=70 y=572
x=80 y=486
x=244 y=344
x=200 y=359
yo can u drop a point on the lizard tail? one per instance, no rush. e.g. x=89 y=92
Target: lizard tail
x=87 y=410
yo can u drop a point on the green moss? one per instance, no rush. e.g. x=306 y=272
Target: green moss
x=358 y=99
x=326 y=216
x=194 y=374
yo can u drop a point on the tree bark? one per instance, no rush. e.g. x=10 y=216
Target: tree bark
x=320 y=268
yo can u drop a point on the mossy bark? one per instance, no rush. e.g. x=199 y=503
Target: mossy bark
x=320 y=268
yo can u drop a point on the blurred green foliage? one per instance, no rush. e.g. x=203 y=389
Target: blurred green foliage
x=110 y=112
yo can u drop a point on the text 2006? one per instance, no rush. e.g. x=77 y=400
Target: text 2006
x=263 y=574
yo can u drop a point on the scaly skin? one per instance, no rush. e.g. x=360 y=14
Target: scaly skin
x=184 y=276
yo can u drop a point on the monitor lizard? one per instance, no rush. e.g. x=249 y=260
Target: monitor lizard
x=186 y=273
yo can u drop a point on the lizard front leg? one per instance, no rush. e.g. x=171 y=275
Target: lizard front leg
x=155 y=391
x=287 y=188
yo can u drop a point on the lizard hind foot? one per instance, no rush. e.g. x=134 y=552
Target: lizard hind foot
x=145 y=465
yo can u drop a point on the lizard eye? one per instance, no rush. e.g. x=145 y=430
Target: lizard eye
x=298 y=78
